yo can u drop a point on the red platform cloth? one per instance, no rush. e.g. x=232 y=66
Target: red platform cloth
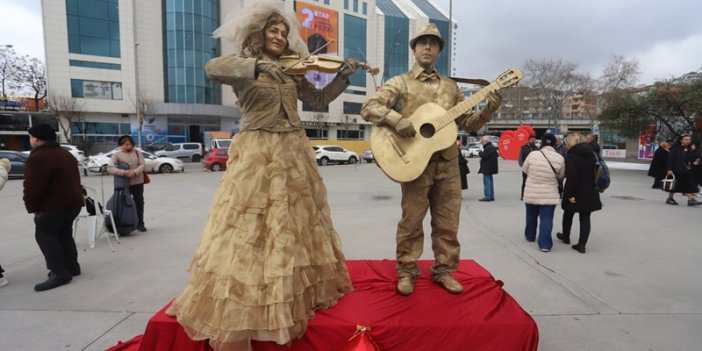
x=484 y=317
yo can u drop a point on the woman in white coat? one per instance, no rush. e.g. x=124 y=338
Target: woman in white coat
x=545 y=169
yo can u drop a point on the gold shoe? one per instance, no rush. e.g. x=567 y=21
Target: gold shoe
x=449 y=283
x=405 y=285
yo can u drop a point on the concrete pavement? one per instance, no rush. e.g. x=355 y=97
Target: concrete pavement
x=637 y=288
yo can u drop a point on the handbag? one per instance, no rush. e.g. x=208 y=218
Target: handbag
x=668 y=183
x=147 y=180
x=559 y=181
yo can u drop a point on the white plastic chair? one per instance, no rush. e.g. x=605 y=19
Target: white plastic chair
x=92 y=221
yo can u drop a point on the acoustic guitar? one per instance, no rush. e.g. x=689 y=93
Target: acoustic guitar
x=404 y=159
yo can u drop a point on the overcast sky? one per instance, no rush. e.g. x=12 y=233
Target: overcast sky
x=664 y=36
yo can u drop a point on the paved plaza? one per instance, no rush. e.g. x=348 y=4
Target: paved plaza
x=637 y=288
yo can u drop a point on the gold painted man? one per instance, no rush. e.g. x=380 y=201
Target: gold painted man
x=439 y=187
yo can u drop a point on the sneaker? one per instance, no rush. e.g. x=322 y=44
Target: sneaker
x=693 y=202
x=562 y=237
x=671 y=201
x=3 y=281
x=545 y=250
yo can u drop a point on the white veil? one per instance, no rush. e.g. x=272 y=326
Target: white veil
x=238 y=26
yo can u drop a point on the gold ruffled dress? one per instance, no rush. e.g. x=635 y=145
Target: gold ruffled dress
x=269 y=255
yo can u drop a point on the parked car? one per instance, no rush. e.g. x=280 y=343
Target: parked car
x=17 y=160
x=216 y=159
x=190 y=151
x=470 y=150
x=75 y=151
x=99 y=162
x=368 y=156
x=334 y=153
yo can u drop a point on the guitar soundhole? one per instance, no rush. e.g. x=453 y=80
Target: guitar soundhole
x=427 y=130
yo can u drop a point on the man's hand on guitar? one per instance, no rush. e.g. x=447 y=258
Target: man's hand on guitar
x=494 y=101
x=405 y=129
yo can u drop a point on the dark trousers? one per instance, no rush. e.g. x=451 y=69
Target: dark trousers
x=137 y=192
x=524 y=177
x=1 y=271
x=54 y=234
x=584 y=226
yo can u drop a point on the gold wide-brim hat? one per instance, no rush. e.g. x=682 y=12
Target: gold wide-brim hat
x=428 y=30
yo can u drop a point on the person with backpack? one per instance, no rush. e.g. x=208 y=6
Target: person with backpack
x=580 y=194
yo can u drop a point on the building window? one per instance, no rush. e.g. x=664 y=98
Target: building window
x=352 y=108
x=309 y=108
x=90 y=64
x=355 y=45
x=91 y=89
x=326 y=2
x=355 y=5
x=346 y=4
x=342 y=134
x=317 y=133
x=396 y=48
x=365 y=8
x=188 y=46
x=93 y=27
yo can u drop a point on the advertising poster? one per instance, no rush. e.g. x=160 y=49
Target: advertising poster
x=154 y=130
x=318 y=26
x=647 y=143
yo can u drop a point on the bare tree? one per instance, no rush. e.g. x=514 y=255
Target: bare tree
x=619 y=73
x=8 y=69
x=555 y=81
x=319 y=119
x=67 y=111
x=31 y=76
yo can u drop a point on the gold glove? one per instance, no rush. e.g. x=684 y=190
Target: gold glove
x=350 y=68
x=265 y=66
x=402 y=126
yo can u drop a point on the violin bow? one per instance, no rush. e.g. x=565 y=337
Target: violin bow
x=310 y=54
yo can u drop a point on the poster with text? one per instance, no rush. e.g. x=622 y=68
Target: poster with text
x=319 y=26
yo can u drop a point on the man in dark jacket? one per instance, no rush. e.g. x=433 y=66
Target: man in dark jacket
x=523 y=153
x=681 y=160
x=488 y=167
x=52 y=191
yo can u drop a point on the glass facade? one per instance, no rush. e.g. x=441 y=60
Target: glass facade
x=396 y=36
x=90 y=64
x=93 y=27
x=352 y=108
x=355 y=45
x=188 y=45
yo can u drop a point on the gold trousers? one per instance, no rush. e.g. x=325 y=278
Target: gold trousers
x=438 y=189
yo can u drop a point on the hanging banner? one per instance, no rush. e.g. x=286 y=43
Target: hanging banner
x=154 y=130
x=318 y=26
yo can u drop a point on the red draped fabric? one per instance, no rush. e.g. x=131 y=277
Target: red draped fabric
x=484 y=317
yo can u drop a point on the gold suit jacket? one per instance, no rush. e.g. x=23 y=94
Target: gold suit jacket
x=265 y=103
x=403 y=94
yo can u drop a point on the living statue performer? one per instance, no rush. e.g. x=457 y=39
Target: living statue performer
x=438 y=188
x=269 y=255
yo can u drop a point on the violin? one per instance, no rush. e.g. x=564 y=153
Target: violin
x=296 y=65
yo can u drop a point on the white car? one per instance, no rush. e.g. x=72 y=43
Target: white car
x=471 y=150
x=98 y=163
x=333 y=153
x=75 y=151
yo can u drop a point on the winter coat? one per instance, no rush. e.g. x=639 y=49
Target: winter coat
x=463 y=170
x=542 y=184
x=135 y=160
x=4 y=171
x=488 y=159
x=524 y=152
x=680 y=160
x=659 y=164
x=580 y=180
x=52 y=180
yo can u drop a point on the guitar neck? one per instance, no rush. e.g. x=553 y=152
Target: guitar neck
x=466 y=105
